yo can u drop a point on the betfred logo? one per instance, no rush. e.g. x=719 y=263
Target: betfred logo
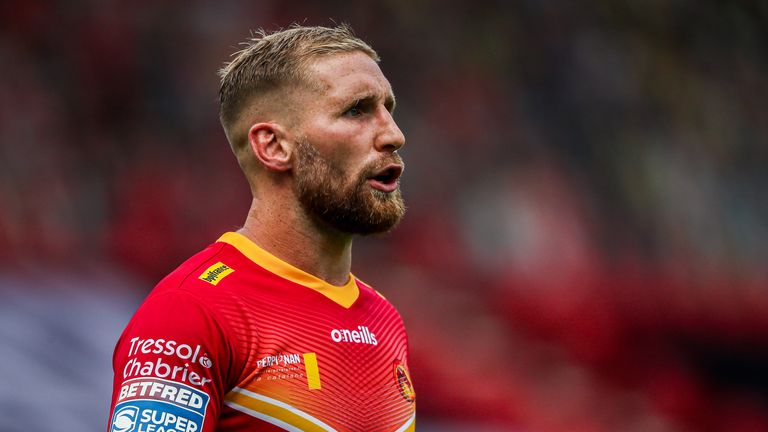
x=362 y=335
x=157 y=389
x=156 y=405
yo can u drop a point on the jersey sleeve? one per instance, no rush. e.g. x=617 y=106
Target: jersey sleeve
x=172 y=367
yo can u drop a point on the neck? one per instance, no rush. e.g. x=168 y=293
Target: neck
x=288 y=233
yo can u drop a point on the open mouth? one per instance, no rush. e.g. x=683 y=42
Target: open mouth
x=385 y=179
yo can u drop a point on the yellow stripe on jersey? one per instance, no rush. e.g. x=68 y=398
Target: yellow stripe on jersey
x=313 y=373
x=274 y=412
x=409 y=426
x=343 y=295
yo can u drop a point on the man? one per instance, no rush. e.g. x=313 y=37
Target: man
x=266 y=329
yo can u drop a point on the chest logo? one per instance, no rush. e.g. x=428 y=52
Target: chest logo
x=403 y=380
x=361 y=335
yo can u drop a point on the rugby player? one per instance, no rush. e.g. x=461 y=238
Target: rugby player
x=266 y=329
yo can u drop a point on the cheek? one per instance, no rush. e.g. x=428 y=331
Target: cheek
x=349 y=162
x=346 y=139
x=351 y=174
x=347 y=152
x=343 y=147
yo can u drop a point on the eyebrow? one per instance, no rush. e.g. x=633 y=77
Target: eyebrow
x=389 y=101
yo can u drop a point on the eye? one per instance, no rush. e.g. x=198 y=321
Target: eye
x=354 y=111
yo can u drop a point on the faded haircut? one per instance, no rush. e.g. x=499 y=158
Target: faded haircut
x=273 y=62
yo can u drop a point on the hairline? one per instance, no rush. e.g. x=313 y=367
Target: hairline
x=300 y=80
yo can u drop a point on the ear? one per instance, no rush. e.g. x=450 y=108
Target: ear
x=268 y=144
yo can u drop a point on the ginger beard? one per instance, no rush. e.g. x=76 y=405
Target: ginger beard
x=325 y=193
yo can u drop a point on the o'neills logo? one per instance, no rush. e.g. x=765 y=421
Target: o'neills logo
x=361 y=335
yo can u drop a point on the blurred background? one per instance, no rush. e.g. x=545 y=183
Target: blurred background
x=586 y=244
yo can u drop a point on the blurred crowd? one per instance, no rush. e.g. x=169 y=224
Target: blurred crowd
x=587 y=236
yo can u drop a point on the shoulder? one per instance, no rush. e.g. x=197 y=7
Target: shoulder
x=214 y=279
x=189 y=304
x=197 y=274
x=367 y=289
x=372 y=298
x=183 y=331
x=175 y=357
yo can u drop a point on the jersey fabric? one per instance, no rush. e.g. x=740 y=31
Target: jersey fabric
x=236 y=339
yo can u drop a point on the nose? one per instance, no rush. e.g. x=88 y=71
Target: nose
x=390 y=138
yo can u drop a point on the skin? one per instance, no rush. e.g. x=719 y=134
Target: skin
x=347 y=115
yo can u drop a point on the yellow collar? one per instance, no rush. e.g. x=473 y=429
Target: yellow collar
x=343 y=295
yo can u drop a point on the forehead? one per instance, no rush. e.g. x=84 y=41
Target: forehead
x=345 y=76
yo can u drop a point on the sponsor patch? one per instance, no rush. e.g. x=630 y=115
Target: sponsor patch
x=157 y=405
x=166 y=366
x=215 y=273
x=403 y=380
x=125 y=418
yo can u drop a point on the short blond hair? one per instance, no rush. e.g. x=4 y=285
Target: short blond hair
x=276 y=61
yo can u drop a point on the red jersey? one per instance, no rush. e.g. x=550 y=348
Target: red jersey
x=236 y=339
